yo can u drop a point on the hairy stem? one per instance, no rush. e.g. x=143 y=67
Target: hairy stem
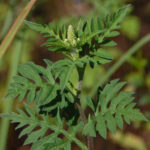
x=81 y=111
x=80 y=74
x=117 y=65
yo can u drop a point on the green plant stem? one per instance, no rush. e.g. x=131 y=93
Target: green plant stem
x=70 y=137
x=80 y=74
x=8 y=104
x=81 y=111
x=117 y=65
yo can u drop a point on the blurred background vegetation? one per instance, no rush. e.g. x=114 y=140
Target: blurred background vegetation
x=26 y=46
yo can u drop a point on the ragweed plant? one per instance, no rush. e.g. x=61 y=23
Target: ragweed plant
x=57 y=102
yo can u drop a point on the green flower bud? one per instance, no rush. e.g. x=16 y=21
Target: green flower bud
x=71 y=35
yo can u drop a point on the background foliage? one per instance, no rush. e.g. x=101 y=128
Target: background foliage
x=135 y=71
